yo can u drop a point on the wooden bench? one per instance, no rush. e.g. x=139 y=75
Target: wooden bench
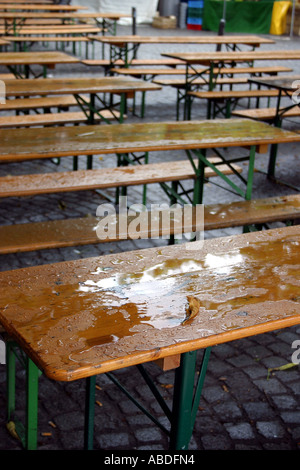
x=173 y=63
x=105 y=178
x=228 y=97
x=26 y=104
x=55 y=29
x=266 y=114
x=37 y=21
x=230 y=71
x=181 y=82
x=7 y=76
x=51 y=119
x=137 y=62
x=81 y=231
x=106 y=64
x=23 y=41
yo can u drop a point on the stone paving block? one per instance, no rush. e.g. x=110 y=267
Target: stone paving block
x=270 y=430
x=240 y=431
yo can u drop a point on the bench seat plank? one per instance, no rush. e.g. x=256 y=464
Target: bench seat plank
x=181 y=83
x=65 y=101
x=182 y=71
x=48 y=39
x=51 y=119
x=213 y=95
x=36 y=58
x=82 y=231
x=30 y=185
x=265 y=114
x=138 y=62
x=54 y=29
x=255 y=294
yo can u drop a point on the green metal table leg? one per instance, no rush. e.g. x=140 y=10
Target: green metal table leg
x=123 y=104
x=250 y=173
x=27 y=435
x=274 y=147
x=91 y=119
x=89 y=412
x=10 y=380
x=32 y=405
x=186 y=402
x=199 y=184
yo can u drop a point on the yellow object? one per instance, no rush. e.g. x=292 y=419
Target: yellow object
x=278 y=20
x=11 y=427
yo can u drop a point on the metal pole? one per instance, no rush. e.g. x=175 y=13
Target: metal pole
x=133 y=14
x=222 y=26
x=292 y=20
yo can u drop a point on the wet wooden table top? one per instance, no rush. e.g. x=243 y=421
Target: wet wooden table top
x=23 y=144
x=79 y=29
x=20 y=2
x=81 y=318
x=63 y=15
x=206 y=58
x=63 y=86
x=38 y=58
x=251 y=40
x=38 y=6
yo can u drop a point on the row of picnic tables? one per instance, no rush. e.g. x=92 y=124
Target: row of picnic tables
x=88 y=337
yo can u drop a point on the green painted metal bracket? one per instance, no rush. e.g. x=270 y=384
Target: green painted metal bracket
x=249 y=183
x=186 y=401
x=26 y=433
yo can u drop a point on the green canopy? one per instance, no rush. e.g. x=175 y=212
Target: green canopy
x=241 y=16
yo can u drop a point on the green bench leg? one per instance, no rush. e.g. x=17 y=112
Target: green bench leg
x=27 y=434
x=10 y=380
x=89 y=412
x=32 y=406
x=186 y=401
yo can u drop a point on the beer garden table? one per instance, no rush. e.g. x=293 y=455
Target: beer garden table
x=125 y=140
x=16 y=20
x=215 y=60
x=90 y=86
x=78 y=319
x=126 y=47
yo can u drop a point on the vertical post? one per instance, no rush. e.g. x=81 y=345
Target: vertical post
x=186 y=402
x=274 y=147
x=250 y=173
x=145 y=186
x=91 y=119
x=221 y=28
x=89 y=412
x=133 y=14
x=32 y=405
x=10 y=380
x=123 y=106
x=292 y=20
x=183 y=402
x=199 y=183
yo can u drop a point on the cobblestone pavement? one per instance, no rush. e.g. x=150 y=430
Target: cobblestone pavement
x=244 y=406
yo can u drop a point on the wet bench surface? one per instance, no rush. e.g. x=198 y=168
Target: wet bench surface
x=83 y=231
